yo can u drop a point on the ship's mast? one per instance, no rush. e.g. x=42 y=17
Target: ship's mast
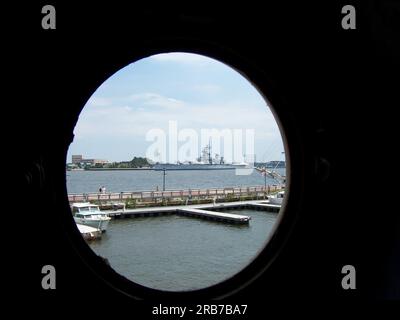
x=209 y=152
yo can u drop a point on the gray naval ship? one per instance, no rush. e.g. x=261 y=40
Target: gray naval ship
x=204 y=162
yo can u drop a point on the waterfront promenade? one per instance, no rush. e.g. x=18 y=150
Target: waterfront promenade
x=184 y=196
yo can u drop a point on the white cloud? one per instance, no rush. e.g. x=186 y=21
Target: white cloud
x=155 y=111
x=156 y=100
x=128 y=125
x=207 y=88
x=98 y=102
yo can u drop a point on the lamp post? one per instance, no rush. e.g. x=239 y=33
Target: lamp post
x=163 y=180
x=265 y=179
x=265 y=182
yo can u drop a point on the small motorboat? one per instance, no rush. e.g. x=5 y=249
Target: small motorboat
x=276 y=198
x=89 y=214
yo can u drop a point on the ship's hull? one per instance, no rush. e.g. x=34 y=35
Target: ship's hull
x=167 y=166
x=100 y=224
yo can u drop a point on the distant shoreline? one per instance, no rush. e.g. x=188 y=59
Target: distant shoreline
x=111 y=169
x=158 y=169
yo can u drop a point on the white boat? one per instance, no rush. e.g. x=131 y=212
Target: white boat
x=89 y=233
x=89 y=214
x=276 y=198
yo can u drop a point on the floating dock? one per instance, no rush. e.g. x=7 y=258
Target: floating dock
x=89 y=233
x=203 y=211
x=212 y=215
x=265 y=206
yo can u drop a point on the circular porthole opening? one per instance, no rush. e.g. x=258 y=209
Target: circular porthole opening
x=177 y=172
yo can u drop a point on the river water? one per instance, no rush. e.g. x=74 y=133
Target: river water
x=136 y=180
x=176 y=253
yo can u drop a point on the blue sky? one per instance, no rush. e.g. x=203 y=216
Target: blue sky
x=194 y=91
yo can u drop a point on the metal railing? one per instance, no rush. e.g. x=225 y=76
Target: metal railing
x=169 y=194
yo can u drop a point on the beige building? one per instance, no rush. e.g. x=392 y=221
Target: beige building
x=78 y=158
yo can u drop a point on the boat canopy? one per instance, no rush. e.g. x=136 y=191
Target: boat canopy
x=84 y=205
x=85 y=208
